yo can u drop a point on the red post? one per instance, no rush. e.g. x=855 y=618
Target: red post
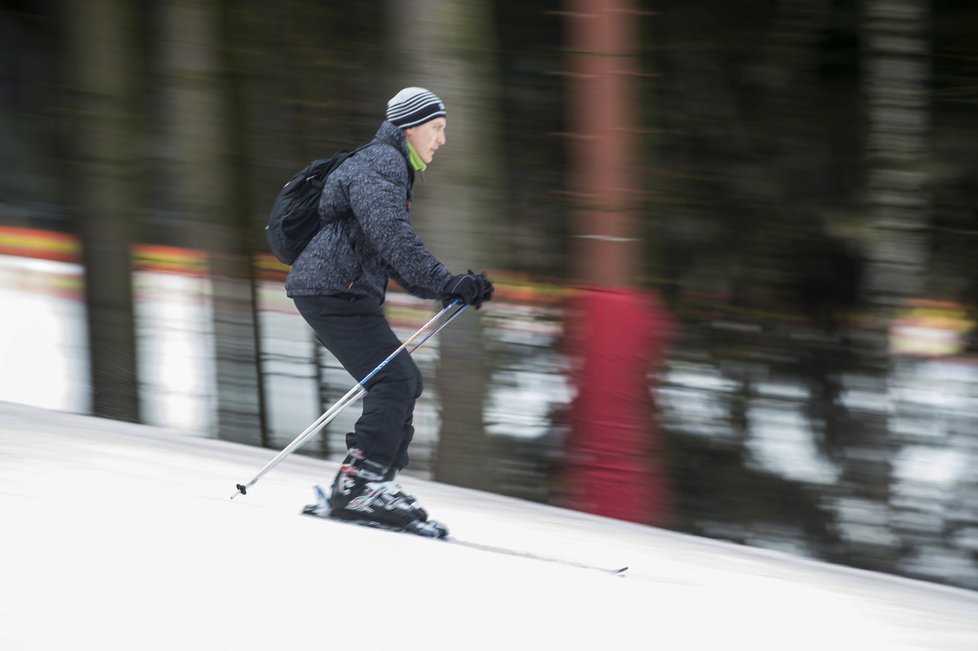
x=618 y=333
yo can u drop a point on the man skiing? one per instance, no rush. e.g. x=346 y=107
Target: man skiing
x=338 y=284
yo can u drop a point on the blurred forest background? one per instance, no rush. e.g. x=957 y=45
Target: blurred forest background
x=805 y=170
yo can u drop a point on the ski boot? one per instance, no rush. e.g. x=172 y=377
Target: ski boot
x=363 y=494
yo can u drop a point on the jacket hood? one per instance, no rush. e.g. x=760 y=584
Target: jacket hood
x=393 y=135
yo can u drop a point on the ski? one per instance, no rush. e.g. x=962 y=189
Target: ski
x=438 y=531
x=619 y=571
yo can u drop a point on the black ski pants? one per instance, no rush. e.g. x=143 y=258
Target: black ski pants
x=356 y=332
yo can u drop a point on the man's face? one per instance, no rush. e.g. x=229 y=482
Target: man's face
x=427 y=138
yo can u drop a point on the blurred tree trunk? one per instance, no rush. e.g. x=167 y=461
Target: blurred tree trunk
x=603 y=122
x=326 y=94
x=896 y=60
x=103 y=136
x=895 y=78
x=448 y=47
x=205 y=121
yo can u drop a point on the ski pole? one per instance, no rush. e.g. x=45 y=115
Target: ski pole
x=351 y=396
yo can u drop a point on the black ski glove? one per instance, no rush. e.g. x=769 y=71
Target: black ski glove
x=469 y=288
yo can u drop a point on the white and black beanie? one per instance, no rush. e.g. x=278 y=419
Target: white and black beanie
x=413 y=106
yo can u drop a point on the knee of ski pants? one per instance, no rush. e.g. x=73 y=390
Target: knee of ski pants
x=402 y=378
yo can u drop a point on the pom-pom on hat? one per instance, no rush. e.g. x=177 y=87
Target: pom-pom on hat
x=413 y=106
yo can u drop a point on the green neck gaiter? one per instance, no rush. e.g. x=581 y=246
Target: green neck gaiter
x=416 y=162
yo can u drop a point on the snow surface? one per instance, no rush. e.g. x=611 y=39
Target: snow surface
x=118 y=536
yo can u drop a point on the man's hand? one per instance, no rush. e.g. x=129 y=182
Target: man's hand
x=470 y=288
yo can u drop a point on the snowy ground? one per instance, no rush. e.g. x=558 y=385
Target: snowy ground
x=117 y=536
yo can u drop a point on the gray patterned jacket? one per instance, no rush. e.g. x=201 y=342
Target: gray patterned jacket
x=367 y=237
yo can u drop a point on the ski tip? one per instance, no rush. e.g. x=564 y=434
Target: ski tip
x=620 y=571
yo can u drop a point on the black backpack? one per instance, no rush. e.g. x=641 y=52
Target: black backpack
x=294 y=219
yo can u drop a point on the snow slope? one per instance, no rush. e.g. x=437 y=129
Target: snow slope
x=117 y=536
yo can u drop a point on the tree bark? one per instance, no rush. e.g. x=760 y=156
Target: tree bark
x=203 y=119
x=103 y=137
x=895 y=81
x=603 y=128
x=448 y=48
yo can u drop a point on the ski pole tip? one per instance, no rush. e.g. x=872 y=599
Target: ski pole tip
x=242 y=490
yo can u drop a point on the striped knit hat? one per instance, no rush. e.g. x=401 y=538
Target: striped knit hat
x=413 y=106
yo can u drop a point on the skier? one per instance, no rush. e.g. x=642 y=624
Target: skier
x=338 y=284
